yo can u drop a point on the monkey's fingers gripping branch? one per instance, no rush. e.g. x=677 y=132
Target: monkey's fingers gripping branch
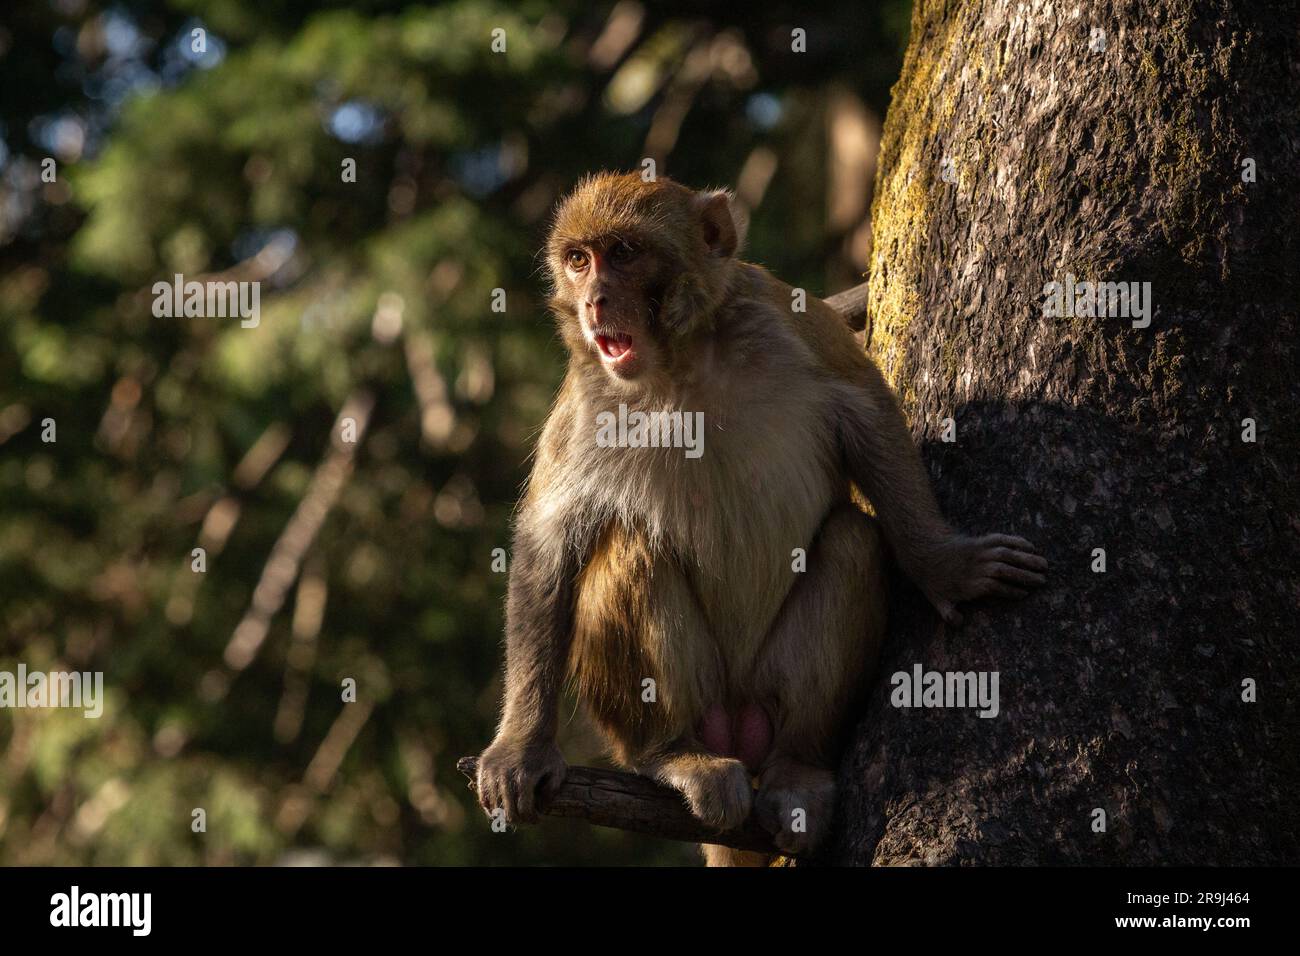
x=625 y=801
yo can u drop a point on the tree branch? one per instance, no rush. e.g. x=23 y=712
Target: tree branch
x=852 y=304
x=625 y=801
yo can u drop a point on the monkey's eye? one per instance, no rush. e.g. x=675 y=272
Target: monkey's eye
x=576 y=259
x=622 y=252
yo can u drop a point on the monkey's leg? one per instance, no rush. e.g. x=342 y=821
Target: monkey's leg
x=645 y=662
x=822 y=647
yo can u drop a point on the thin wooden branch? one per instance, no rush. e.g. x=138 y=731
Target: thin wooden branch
x=625 y=801
x=852 y=304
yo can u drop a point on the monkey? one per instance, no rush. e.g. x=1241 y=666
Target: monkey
x=667 y=590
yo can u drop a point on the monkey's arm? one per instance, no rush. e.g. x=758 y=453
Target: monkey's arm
x=523 y=764
x=883 y=462
x=538 y=630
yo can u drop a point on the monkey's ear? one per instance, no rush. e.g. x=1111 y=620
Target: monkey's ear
x=723 y=223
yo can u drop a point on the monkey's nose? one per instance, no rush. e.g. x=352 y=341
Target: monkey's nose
x=596 y=304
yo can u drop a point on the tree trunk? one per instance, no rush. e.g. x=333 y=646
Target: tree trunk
x=1119 y=690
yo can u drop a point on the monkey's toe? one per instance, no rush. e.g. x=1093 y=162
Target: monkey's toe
x=719 y=793
x=795 y=804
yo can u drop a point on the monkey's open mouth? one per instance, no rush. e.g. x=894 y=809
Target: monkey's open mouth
x=614 y=345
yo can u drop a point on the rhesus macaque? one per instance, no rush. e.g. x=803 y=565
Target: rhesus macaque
x=668 y=588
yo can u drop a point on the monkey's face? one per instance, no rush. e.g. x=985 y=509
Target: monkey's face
x=638 y=267
x=610 y=285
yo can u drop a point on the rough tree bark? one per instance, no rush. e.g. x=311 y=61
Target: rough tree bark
x=1119 y=690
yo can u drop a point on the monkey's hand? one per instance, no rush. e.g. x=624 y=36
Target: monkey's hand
x=519 y=775
x=962 y=568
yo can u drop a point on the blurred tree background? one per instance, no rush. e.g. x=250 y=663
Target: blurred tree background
x=327 y=561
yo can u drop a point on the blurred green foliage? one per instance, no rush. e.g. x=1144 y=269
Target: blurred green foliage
x=176 y=433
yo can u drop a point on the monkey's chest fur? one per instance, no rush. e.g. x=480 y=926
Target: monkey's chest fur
x=695 y=557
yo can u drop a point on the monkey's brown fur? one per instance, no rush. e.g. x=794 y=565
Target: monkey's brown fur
x=639 y=564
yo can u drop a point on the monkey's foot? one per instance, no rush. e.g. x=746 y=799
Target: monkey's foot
x=794 y=804
x=717 y=789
